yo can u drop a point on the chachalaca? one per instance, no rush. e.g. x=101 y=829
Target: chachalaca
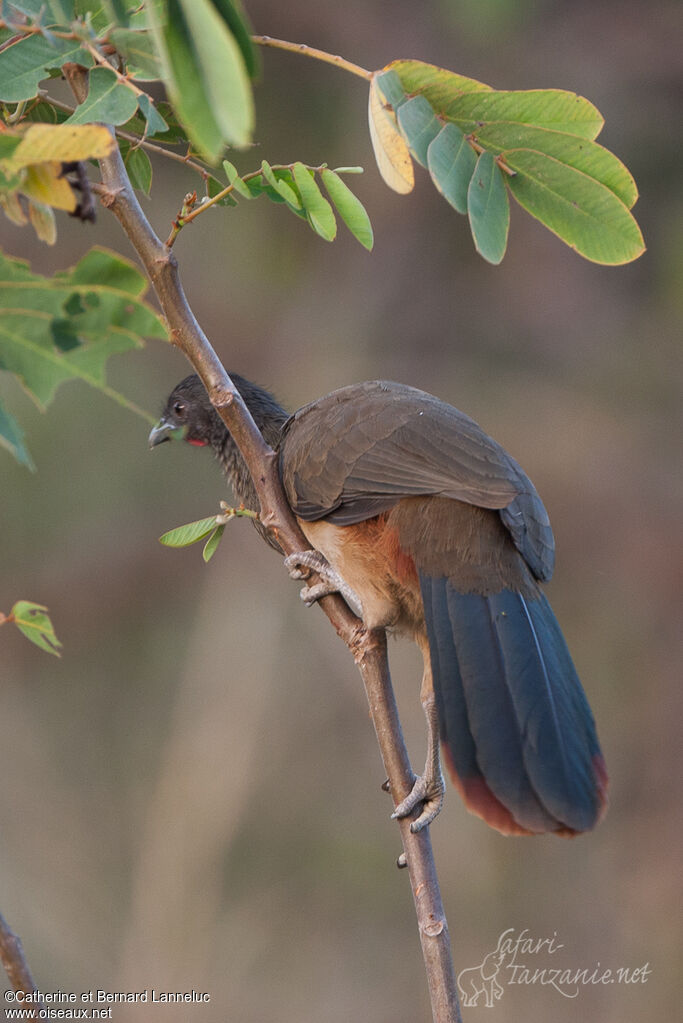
x=432 y=530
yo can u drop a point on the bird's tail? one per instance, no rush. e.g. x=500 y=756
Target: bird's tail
x=517 y=732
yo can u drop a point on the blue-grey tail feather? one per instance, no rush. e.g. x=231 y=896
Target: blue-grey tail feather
x=511 y=707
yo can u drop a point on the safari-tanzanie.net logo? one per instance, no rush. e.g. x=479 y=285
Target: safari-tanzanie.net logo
x=521 y=959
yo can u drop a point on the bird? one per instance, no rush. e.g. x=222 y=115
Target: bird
x=431 y=530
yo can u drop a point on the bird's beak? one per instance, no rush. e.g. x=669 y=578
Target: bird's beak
x=164 y=431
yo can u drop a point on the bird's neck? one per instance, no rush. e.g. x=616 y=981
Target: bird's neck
x=270 y=423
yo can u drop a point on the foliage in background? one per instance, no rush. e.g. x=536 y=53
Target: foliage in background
x=34 y=622
x=478 y=144
x=67 y=326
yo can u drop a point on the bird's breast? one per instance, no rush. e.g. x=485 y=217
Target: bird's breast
x=370 y=558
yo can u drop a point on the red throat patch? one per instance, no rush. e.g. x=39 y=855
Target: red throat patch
x=197 y=443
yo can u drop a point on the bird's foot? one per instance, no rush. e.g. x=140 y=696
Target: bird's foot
x=300 y=564
x=429 y=790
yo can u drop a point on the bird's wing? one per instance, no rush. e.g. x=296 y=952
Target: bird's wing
x=359 y=450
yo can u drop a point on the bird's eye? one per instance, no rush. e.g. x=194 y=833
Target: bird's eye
x=179 y=409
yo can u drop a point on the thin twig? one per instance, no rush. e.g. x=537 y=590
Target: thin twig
x=369 y=648
x=183 y=219
x=311 y=51
x=103 y=62
x=17 y=969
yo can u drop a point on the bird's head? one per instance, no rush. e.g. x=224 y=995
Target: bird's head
x=188 y=414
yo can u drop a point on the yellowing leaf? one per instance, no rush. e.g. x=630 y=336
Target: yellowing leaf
x=63 y=142
x=43 y=183
x=12 y=208
x=43 y=222
x=391 y=152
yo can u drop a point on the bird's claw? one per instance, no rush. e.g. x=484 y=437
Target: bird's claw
x=428 y=790
x=302 y=563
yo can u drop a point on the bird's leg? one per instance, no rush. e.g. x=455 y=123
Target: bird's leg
x=429 y=788
x=301 y=563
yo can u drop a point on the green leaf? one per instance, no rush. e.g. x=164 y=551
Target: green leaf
x=582 y=212
x=213 y=187
x=108 y=100
x=257 y=187
x=138 y=166
x=231 y=171
x=34 y=622
x=349 y=207
x=281 y=186
x=62 y=11
x=36 y=311
x=96 y=15
x=44 y=113
x=137 y=49
x=319 y=212
x=239 y=186
x=222 y=66
x=173 y=133
x=8 y=143
x=24 y=64
x=31 y=8
x=12 y=438
x=205 y=74
x=488 y=209
x=584 y=155
x=389 y=85
x=436 y=84
x=234 y=15
x=451 y=161
x=118 y=11
x=211 y=545
x=553 y=109
x=154 y=122
x=182 y=77
x=418 y=125
x=191 y=532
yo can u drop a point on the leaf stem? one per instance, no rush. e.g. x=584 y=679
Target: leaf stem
x=103 y=62
x=181 y=220
x=311 y=51
x=479 y=149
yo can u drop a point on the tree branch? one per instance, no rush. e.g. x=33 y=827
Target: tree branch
x=18 y=973
x=367 y=647
x=311 y=51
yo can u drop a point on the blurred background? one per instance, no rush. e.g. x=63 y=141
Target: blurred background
x=190 y=797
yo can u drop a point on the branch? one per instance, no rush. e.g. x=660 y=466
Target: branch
x=311 y=51
x=368 y=648
x=17 y=969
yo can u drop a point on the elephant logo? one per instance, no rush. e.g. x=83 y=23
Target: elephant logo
x=482 y=980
